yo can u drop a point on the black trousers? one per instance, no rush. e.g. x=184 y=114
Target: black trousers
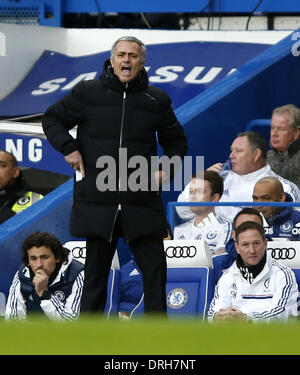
x=150 y=258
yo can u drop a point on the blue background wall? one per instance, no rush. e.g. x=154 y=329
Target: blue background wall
x=50 y=12
x=212 y=119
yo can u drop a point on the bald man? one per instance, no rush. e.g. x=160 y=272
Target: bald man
x=283 y=222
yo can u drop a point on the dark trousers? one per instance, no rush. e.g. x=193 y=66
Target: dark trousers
x=150 y=258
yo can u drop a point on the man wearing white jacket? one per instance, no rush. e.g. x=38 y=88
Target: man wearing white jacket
x=256 y=287
x=206 y=226
x=248 y=159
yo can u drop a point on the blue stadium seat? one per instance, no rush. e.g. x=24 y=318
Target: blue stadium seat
x=190 y=279
x=288 y=253
x=189 y=292
x=261 y=126
x=78 y=249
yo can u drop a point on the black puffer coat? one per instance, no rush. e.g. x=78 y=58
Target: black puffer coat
x=112 y=115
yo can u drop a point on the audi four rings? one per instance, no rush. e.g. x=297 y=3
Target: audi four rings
x=283 y=254
x=180 y=251
x=79 y=252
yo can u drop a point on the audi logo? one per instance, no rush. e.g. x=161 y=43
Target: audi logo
x=79 y=252
x=180 y=251
x=283 y=254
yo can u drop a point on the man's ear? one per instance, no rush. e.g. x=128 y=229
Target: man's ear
x=282 y=197
x=216 y=197
x=16 y=172
x=237 y=247
x=296 y=134
x=111 y=62
x=257 y=154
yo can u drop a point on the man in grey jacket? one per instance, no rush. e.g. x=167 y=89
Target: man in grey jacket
x=284 y=155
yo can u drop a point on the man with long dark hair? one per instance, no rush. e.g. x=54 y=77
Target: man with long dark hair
x=49 y=281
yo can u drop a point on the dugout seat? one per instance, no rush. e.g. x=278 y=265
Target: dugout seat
x=288 y=253
x=188 y=291
x=78 y=249
x=190 y=281
x=285 y=252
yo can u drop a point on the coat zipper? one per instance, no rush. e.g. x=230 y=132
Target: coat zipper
x=120 y=146
x=122 y=118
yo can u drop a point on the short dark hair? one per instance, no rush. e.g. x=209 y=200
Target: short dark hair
x=215 y=180
x=38 y=239
x=13 y=159
x=247 y=211
x=249 y=225
x=256 y=140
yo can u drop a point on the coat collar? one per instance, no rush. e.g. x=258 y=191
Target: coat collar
x=292 y=148
x=253 y=176
x=264 y=271
x=109 y=79
x=281 y=213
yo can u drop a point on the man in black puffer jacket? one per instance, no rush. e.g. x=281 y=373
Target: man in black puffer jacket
x=118 y=118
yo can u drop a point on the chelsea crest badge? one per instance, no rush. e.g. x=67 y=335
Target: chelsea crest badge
x=177 y=298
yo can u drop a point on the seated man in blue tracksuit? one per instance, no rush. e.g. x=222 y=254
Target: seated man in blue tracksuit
x=131 y=288
x=49 y=281
x=282 y=222
x=131 y=285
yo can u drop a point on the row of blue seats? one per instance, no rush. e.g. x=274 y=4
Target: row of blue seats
x=191 y=280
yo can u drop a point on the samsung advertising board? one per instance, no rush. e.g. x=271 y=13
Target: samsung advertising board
x=184 y=70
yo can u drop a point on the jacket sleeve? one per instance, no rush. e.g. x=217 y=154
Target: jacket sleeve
x=222 y=298
x=63 y=116
x=284 y=301
x=68 y=310
x=224 y=235
x=15 y=307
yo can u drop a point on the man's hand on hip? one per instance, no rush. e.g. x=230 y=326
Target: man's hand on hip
x=75 y=161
